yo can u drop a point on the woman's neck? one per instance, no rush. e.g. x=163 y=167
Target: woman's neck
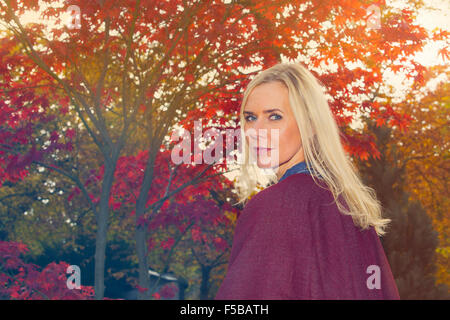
x=296 y=158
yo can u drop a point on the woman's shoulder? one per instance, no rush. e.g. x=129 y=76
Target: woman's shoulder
x=300 y=196
x=299 y=186
x=297 y=193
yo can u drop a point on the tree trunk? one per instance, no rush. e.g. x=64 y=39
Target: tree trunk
x=141 y=231
x=141 y=249
x=204 y=286
x=102 y=229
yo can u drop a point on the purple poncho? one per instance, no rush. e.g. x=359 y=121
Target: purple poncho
x=291 y=242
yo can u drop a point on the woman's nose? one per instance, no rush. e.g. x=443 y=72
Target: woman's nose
x=258 y=135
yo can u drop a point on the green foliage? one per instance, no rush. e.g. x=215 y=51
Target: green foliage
x=411 y=241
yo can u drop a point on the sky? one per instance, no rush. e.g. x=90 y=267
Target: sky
x=432 y=19
x=429 y=19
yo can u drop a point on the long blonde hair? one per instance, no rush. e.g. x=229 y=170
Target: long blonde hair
x=324 y=153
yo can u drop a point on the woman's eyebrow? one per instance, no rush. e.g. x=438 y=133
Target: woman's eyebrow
x=265 y=111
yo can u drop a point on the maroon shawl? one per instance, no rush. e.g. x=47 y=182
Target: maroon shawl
x=291 y=242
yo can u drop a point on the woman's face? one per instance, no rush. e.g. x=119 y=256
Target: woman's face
x=268 y=108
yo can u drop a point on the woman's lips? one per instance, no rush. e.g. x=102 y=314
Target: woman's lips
x=260 y=150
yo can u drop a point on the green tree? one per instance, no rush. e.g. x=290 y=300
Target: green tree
x=411 y=241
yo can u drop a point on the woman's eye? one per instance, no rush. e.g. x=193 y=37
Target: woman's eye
x=276 y=115
x=271 y=117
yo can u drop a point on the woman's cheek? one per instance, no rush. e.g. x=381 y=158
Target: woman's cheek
x=279 y=137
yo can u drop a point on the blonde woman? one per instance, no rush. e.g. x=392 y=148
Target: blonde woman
x=314 y=233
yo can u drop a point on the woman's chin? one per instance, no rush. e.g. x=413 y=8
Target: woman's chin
x=264 y=160
x=266 y=163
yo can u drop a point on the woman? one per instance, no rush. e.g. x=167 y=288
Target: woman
x=314 y=234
